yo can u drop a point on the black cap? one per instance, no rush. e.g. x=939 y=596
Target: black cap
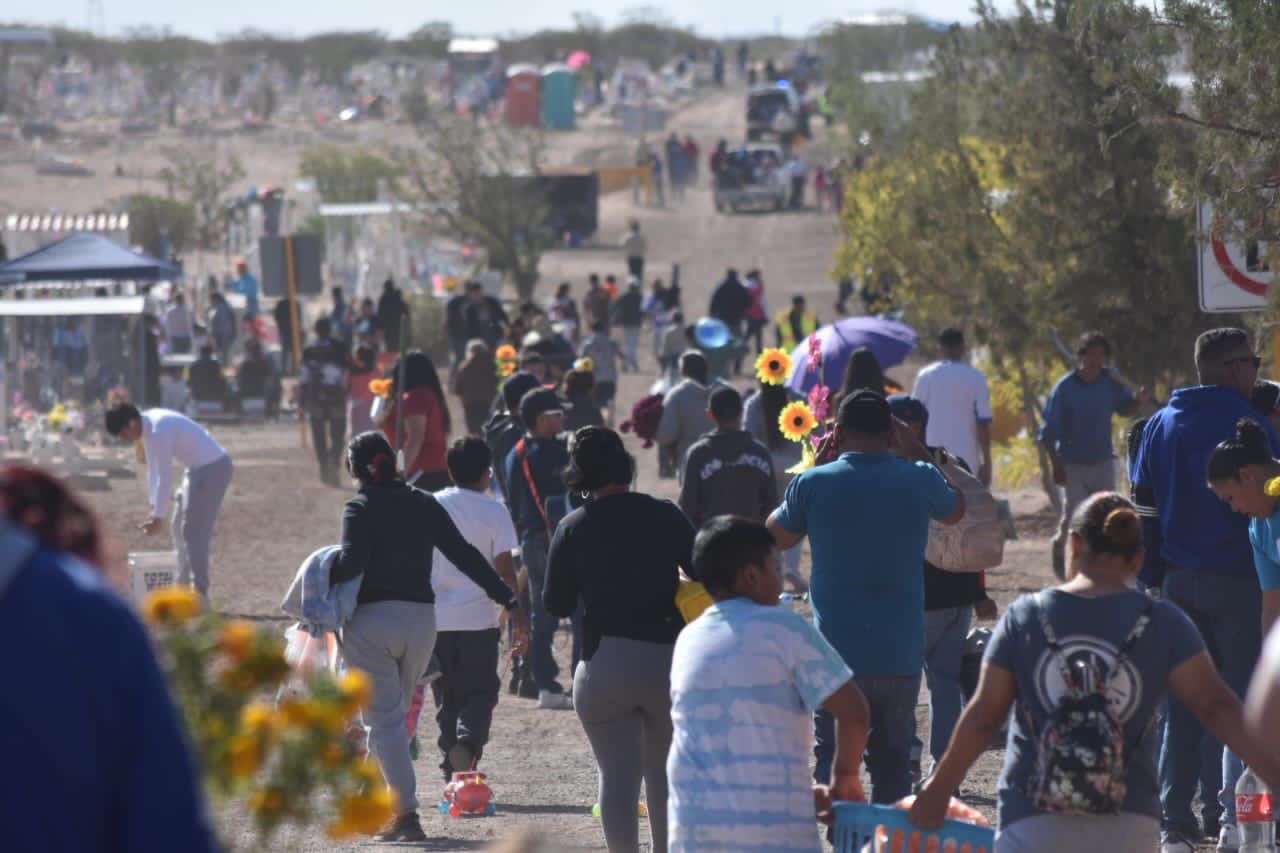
x=865 y=411
x=909 y=409
x=538 y=402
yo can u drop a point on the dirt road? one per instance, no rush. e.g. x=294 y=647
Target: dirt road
x=539 y=762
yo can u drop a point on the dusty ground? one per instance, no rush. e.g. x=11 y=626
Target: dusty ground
x=539 y=762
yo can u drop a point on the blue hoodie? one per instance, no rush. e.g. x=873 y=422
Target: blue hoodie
x=1199 y=531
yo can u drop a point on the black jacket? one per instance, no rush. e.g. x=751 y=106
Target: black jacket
x=727 y=472
x=729 y=302
x=389 y=532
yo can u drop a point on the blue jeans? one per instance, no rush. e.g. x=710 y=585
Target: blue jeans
x=542 y=663
x=1227 y=611
x=944 y=639
x=893 y=726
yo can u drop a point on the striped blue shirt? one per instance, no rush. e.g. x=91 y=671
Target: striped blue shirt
x=745 y=681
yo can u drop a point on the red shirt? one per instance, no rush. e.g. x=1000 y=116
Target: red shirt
x=421 y=401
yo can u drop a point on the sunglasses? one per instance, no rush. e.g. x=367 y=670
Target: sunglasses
x=1255 y=360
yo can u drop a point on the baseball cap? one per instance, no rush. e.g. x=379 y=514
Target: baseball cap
x=539 y=401
x=907 y=408
x=865 y=411
x=514 y=389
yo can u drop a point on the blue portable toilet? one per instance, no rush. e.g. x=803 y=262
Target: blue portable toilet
x=559 y=91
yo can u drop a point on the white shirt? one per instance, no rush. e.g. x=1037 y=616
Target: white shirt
x=178 y=322
x=486 y=524
x=169 y=437
x=958 y=399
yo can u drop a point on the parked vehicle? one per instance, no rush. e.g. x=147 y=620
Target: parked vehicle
x=753 y=176
x=774 y=109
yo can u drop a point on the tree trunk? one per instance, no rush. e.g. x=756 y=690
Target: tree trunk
x=1031 y=411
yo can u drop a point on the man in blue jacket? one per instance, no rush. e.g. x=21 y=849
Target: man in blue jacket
x=1209 y=565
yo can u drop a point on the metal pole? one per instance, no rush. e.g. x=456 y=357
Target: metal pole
x=295 y=320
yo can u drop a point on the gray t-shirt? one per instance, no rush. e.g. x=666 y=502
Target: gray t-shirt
x=1094 y=628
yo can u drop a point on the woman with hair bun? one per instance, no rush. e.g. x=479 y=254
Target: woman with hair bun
x=1093 y=637
x=1239 y=471
x=621 y=554
x=389 y=532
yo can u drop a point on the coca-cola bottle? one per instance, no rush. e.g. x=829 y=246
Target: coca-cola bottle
x=1254 y=819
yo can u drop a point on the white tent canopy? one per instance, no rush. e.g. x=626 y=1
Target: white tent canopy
x=88 y=306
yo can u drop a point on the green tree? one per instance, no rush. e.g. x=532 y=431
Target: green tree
x=344 y=176
x=475 y=181
x=1027 y=199
x=204 y=180
x=155 y=220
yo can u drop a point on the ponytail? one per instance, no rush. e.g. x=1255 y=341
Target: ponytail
x=1109 y=524
x=371 y=460
x=1249 y=446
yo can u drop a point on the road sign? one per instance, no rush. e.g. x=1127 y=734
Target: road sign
x=1233 y=276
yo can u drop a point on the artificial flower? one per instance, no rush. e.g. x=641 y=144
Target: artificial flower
x=797 y=421
x=244 y=756
x=820 y=401
x=380 y=387
x=585 y=365
x=1273 y=487
x=356 y=689
x=171 y=605
x=236 y=639
x=815 y=352
x=773 y=366
x=364 y=814
x=506 y=352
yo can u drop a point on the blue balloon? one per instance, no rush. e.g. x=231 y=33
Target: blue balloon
x=711 y=333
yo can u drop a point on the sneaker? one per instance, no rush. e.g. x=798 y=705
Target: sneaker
x=1175 y=842
x=1228 y=838
x=405 y=828
x=550 y=700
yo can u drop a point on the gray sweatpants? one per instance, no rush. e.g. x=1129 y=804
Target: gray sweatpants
x=392 y=642
x=1051 y=833
x=195 y=512
x=1082 y=481
x=623 y=698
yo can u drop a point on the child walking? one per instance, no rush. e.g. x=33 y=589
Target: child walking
x=746 y=678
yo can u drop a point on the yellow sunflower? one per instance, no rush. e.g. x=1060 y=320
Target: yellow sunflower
x=773 y=367
x=797 y=421
x=1273 y=487
x=171 y=605
x=506 y=352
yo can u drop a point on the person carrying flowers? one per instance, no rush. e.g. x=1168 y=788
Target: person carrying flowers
x=867 y=518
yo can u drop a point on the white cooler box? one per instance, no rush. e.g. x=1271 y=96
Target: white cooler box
x=150 y=570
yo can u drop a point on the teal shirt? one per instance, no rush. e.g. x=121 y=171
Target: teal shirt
x=1264 y=536
x=867 y=518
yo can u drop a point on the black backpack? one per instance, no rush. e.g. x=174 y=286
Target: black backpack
x=1082 y=754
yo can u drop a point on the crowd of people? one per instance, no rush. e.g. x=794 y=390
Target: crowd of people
x=1120 y=684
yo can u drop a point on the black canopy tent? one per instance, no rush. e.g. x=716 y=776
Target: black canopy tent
x=63 y=279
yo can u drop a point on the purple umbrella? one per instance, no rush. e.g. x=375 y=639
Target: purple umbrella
x=890 y=341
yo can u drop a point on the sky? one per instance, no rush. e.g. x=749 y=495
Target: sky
x=475 y=17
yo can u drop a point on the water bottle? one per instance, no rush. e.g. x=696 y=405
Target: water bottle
x=1254 y=819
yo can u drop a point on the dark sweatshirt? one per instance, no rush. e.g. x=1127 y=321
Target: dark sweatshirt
x=620 y=557
x=547 y=458
x=727 y=472
x=389 y=532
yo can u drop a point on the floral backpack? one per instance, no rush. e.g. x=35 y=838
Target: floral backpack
x=1081 y=764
